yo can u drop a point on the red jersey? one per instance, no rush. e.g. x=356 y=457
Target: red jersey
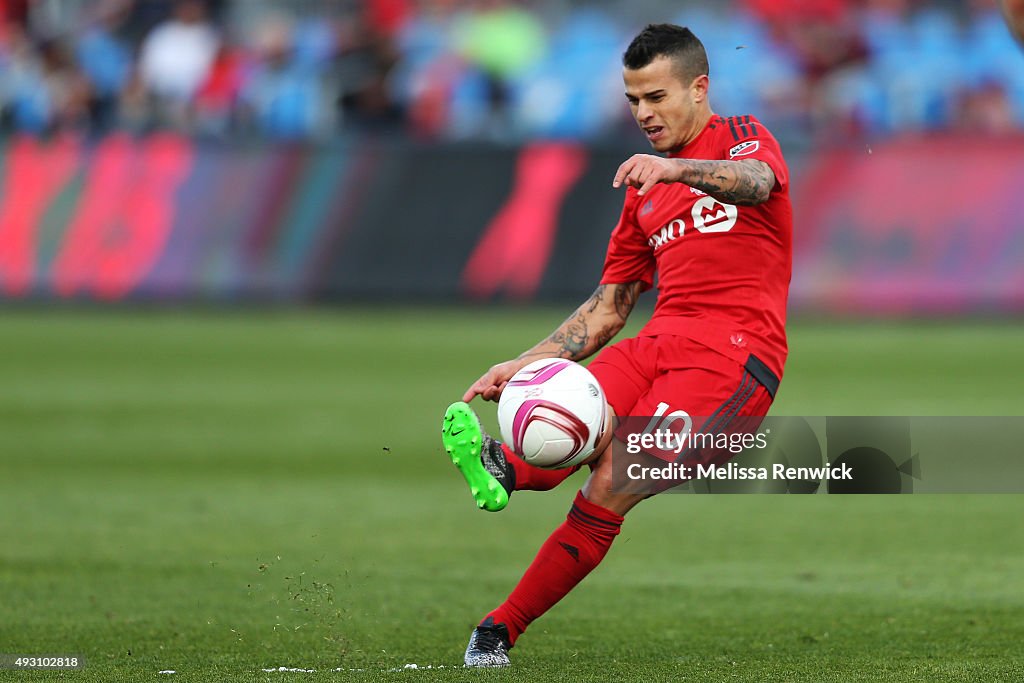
x=723 y=270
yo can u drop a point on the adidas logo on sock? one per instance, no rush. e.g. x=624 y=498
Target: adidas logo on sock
x=572 y=550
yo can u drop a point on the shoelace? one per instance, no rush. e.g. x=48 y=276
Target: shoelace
x=493 y=457
x=489 y=640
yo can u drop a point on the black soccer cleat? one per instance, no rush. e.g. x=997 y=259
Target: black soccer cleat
x=492 y=456
x=478 y=457
x=489 y=645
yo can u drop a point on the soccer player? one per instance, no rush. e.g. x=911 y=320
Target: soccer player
x=712 y=218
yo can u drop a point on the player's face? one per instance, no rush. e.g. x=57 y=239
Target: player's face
x=669 y=112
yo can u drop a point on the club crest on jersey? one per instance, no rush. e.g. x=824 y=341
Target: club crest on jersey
x=744 y=148
x=710 y=215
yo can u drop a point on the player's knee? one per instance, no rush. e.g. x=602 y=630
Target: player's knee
x=600 y=485
x=600 y=488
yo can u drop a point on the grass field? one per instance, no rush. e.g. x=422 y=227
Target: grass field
x=218 y=493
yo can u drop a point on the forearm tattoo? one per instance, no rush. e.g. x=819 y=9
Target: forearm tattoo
x=573 y=337
x=625 y=298
x=592 y=325
x=745 y=182
x=595 y=299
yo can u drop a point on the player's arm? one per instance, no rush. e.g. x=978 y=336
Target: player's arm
x=590 y=327
x=746 y=182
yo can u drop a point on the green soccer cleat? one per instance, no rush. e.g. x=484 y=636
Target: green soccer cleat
x=479 y=458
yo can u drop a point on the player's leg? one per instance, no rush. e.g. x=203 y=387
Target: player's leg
x=701 y=384
x=571 y=552
x=583 y=539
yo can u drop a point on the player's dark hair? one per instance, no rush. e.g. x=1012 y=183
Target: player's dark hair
x=668 y=40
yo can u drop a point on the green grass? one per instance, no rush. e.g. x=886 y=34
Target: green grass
x=216 y=493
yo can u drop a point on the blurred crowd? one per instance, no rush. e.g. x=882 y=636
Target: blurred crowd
x=494 y=69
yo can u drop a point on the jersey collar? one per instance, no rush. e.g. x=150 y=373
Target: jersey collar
x=689 y=145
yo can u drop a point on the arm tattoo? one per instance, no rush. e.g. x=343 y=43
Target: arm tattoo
x=592 y=325
x=606 y=335
x=625 y=298
x=747 y=182
x=572 y=337
x=595 y=299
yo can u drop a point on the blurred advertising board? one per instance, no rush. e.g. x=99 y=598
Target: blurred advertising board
x=929 y=225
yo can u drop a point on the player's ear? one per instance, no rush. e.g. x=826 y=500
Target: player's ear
x=699 y=88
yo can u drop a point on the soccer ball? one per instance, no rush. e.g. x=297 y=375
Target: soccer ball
x=552 y=413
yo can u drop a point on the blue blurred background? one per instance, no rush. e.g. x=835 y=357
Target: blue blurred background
x=495 y=69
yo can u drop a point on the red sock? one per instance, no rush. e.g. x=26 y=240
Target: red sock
x=532 y=478
x=569 y=554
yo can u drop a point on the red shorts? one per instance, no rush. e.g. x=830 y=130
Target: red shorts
x=646 y=376
x=675 y=383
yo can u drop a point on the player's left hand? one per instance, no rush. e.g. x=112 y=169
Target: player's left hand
x=644 y=171
x=493 y=382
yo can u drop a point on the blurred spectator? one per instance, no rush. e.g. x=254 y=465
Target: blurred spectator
x=1014 y=12
x=823 y=35
x=826 y=42
x=106 y=59
x=387 y=17
x=427 y=70
x=14 y=12
x=177 y=55
x=219 y=94
x=284 y=93
x=501 y=39
x=366 y=59
x=575 y=92
x=985 y=109
x=45 y=89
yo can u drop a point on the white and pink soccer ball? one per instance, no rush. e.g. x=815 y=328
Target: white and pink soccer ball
x=552 y=413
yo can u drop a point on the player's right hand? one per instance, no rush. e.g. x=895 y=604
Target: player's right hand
x=644 y=171
x=493 y=382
